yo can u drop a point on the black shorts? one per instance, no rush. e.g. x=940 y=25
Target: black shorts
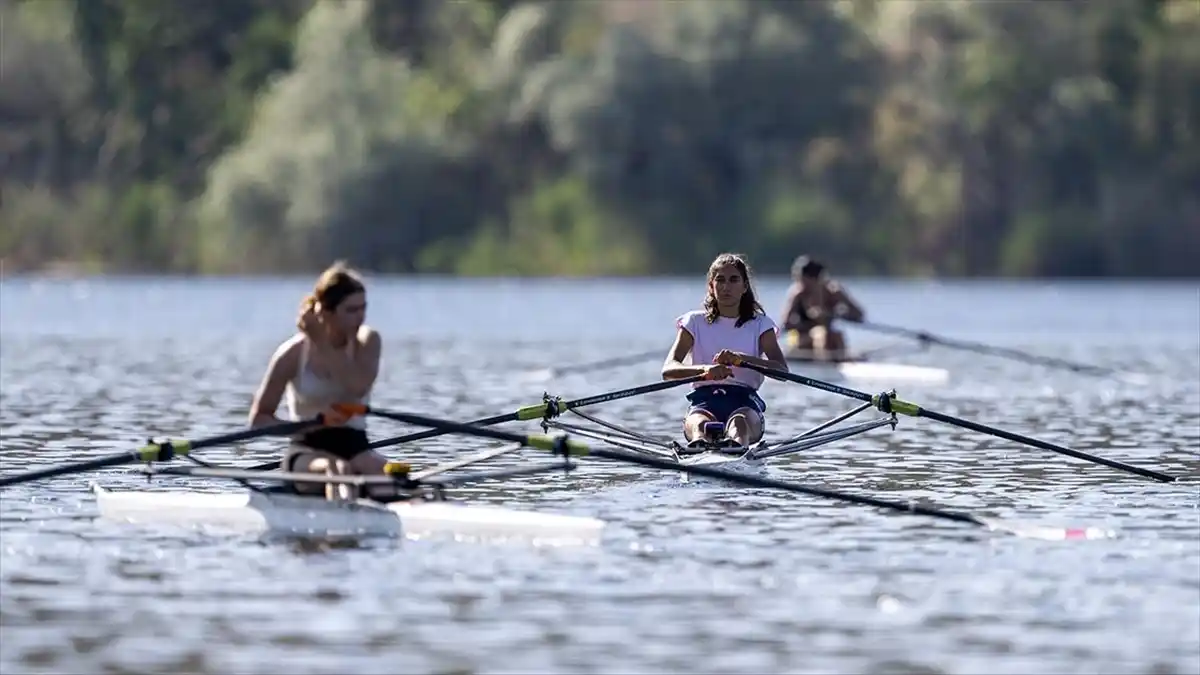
x=721 y=401
x=341 y=442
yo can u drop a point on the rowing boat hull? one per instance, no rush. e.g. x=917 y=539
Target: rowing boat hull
x=868 y=371
x=292 y=515
x=739 y=464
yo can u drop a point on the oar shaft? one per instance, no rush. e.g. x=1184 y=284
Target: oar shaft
x=281 y=429
x=564 y=446
x=449 y=427
x=762 y=481
x=578 y=449
x=980 y=348
x=628 y=393
x=890 y=404
x=151 y=451
x=540 y=410
x=499 y=474
x=64 y=469
x=1044 y=445
x=490 y=453
x=432 y=433
x=669 y=465
x=810 y=382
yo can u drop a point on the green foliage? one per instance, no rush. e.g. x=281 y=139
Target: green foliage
x=503 y=137
x=338 y=119
x=558 y=230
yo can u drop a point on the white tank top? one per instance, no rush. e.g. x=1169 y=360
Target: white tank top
x=710 y=338
x=309 y=394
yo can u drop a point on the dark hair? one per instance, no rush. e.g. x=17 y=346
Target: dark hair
x=805 y=266
x=748 y=308
x=333 y=286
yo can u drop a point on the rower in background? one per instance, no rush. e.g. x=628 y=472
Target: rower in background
x=813 y=302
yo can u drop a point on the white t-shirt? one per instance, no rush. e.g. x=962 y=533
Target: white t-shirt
x=710 y=338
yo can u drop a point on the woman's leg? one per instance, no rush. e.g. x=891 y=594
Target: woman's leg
x=745 y=426
x=819 y=341
x=313 y=461
x=693 y=424
x=799 y=340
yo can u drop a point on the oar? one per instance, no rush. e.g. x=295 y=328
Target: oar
x=991 y=350
x=489 y=453
x=561 y=445
x=547 y=408
x=890 y=404
x=160 y=452
x=601 y=364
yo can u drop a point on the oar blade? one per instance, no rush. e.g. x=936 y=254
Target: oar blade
x=1047 y=532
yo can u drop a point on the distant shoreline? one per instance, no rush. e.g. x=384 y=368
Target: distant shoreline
x=72 y=271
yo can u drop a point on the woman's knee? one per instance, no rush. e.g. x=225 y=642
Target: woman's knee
x=318 y=464
x=748 y=419
x=694 y=423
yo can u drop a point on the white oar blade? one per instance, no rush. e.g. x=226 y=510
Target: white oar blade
x=1048 y=532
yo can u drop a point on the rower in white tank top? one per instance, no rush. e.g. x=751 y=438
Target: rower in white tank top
x=308 y=394
x=732 y=329
x=724 y=333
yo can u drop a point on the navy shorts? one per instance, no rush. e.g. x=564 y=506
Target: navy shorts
x=341 y=442
x=720 y=401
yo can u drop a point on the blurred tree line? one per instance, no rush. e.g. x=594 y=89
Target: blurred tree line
x=621 y=137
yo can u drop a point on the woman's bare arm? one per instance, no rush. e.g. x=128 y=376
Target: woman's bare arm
x=281 y=368
x=847 y=308
x=674 y=368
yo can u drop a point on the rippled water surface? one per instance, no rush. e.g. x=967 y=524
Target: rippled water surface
x=688 y=578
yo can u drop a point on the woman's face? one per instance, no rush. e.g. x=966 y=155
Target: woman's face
x=349 y=315
x=728 y=286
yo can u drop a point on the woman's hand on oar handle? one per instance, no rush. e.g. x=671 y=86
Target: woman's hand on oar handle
x=717 y=371
x=728 y=357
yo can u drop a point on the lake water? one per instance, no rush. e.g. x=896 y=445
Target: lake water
x=699 y=578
